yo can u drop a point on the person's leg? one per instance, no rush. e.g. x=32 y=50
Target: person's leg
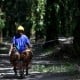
x=15 y=70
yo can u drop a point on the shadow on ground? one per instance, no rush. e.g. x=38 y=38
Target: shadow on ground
x=45 y=76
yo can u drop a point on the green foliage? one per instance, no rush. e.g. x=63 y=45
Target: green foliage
x=38 y=12
x=54 y=68
x=66 y=13
x=2 y=24
x=61 y=14
x=2 y=21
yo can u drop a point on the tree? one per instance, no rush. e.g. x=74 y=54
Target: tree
x=76 y=34
x=2 y=24
x=17 y=12
x=38 y=12
x=51 y=23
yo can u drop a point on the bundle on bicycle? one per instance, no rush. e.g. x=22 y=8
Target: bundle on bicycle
x=21 y=62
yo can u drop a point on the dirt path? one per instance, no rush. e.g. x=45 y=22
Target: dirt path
x=39 y=60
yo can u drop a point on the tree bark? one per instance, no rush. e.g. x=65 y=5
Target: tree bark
x=51 y=24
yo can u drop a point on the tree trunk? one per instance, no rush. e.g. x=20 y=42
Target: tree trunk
x=1 y=37
x=51 y=24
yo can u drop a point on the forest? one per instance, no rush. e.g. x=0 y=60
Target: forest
x=42 y=19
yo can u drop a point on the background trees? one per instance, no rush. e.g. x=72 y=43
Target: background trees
x=2 y=24
x=46 y=18
x=76 y=33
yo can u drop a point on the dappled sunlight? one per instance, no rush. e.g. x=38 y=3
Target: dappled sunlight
x=59 y=76
x=3 y=48
x=41 y=66
x=42 y=62
x=53 y=68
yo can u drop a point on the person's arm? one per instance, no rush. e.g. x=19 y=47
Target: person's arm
x=29 y=46
x=28 y=43
x=11 y=46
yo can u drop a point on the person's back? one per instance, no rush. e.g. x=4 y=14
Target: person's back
x=21 y=42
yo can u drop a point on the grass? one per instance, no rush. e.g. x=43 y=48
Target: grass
x=67 y=67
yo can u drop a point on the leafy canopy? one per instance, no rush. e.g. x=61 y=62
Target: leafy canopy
x=2 y=24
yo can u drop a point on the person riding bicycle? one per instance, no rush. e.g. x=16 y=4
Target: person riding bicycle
x=20 y=41
x=22 y=44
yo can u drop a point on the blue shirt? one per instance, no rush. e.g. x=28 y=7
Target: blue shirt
x=21 y=42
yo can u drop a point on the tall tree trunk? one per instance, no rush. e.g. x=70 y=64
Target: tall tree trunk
x=76 y=34
x=51 y=23
x=1 y=36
